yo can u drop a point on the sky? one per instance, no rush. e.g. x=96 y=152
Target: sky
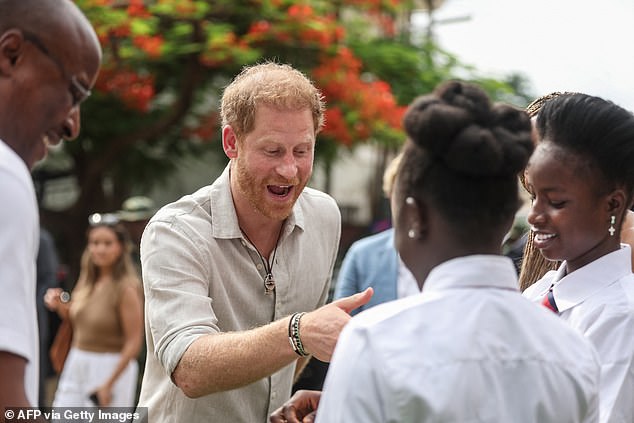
x=559 y=45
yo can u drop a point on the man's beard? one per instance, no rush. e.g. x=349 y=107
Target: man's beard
x=254 y=191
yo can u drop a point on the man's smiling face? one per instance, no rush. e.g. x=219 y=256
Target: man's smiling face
x=275 y=160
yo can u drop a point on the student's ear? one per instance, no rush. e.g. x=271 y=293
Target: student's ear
x=416 y=217
x=229 y=142
x=11 y=44
x=617 y=201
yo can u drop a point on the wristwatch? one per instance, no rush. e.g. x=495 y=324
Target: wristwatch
x=64 y=297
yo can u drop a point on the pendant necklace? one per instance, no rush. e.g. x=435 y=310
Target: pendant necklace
x=269 y=282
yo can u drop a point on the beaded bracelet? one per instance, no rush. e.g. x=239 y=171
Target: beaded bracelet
x=293 y=335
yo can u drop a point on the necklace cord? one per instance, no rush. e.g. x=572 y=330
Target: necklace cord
x=269 y=283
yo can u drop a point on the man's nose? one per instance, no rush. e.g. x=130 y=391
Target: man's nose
x=288 y=167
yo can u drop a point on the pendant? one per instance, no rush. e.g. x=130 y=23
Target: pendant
x=269 y=284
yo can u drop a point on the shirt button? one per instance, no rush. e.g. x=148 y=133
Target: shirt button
x=273 y=395
x=259 y=266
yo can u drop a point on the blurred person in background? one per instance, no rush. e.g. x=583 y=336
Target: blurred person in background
x=49 y=58
x=134 y=214
x=105 y=310
x=47 y=277
x=374 y=262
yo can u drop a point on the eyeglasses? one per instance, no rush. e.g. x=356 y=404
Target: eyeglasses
x=107 y=219
x=77 y=91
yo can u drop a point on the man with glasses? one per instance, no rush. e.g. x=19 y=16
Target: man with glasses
x=49 y=59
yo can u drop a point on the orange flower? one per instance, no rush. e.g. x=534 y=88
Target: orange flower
x=137 y=8
x=371 y=105
x=134 y=90
x=150 y=44
x=259 y=27
x=300 y=12
x=336 y=127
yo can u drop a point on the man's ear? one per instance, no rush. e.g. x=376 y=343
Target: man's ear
x=229 y=142
x=11 y=44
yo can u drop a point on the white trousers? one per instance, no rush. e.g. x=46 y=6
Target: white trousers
x=85 y=371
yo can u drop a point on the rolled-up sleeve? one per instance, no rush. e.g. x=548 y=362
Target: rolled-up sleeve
x=176 y=284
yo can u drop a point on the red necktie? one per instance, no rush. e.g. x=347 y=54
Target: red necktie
x=549 y=301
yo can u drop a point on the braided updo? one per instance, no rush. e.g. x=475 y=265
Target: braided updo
x=464 y=153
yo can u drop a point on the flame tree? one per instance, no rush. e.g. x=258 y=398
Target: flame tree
x=165 y=64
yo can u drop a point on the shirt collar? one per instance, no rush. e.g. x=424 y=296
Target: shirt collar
x=475 y=271
x=572 y=289
x=224 y=218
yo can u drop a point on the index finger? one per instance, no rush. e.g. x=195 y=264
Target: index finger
x=354 y=301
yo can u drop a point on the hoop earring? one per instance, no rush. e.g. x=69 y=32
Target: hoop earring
x=612 y=221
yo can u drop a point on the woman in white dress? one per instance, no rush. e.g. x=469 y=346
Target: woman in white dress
x=105 y=309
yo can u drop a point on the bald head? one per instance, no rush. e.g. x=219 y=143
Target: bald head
x=49 y=60
x=35 y=15
x=47 y=19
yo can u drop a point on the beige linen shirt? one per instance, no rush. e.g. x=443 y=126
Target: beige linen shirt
x=202 y=277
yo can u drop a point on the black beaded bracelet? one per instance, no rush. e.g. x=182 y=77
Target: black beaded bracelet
x=290 y=332
x=293 y=335
x=298 y=341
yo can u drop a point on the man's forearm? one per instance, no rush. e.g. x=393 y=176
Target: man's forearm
x=220 y=362
x=216 y=363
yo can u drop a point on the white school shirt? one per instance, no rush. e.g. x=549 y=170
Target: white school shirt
x=469 y=348
x=598 y=301
x=19 y=241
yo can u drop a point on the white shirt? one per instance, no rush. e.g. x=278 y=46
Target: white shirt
x=469 y=348
x=19 y=241
x=598 y=301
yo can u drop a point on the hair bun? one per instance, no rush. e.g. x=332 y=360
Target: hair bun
x=458 y=125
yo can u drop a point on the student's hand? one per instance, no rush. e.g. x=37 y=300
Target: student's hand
x=319 y=329
x=301 y=408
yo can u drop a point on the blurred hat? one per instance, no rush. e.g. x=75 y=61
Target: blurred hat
x=136 y=208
